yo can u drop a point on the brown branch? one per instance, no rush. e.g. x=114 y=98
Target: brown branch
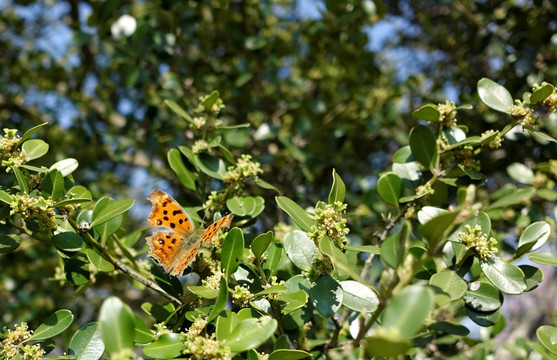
x=125 y=269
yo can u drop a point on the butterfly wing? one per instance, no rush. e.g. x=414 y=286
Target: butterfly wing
x=171 y=251
x=215 y=227
x=168 y=213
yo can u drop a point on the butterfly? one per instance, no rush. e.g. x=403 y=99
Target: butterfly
x=174 y=249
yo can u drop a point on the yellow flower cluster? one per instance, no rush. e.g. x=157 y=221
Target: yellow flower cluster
x=203 y=347
x=474 y=239
x=447 y=115
x=35 y=207
x=329 y=221
x=241 y=295
x=495 y=143
x=525 y=115
x=213 y=281
x=11 y=347
x=11 y=156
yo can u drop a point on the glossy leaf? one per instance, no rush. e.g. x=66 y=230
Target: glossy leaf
x=68 y=241
x=167 y=346
x=9 y=243
x=86 y=343
x=533 y=276
x=424 y=146
x=484 y=319
x=66 y=166
x=250 y=333
x=450 y=283
x=359 y=297
x=116 y=325
x=221 y=300
x=5 y=197
x=521 y=173
x=141 y=334
x=293 y=301
x=178 y=110
x=232 y=249
x=203 y=292
x=53 y=325
x=295 y=211
x=186 y=177
x=533 y=237
x=389 y=188
x=428 y=112
x=547 y=335
x=100 y=263
x=541 y=93
x=111 y=210
x=246 y=205
x=494 y=95
x=338 y=189
x=545 y=258
x=34 y=148
x=436 y=229
x=211 y=165
x=408 y=309
x=265 y=185
x=288 y=354
x=30 y=132
x=506 y=277
x=300 y=249
x=260 y=244
x=210 y=100
x=338 y=258
x=21 y=180
x=483 y=297
x=326 y=295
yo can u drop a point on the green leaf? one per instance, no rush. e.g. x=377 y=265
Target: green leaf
x=5 y=197
x=541 y=94
x=293 y=301
x=424 y=146
x=255 y=42
x=533 y=275
x=66 y=166
x=111 y=211
x=540 y=136
x=30 y=132
x=53 y=325
x=484 y=319
x=408 y=309
x=221 y=300
x=274 y=258
x=295 y=211
x=386 y=345
x=338 y=189
x=35 y=148
x=246 y=205
x=57 y=184
x=86 y=343
x=506 y=277
x=428 y=112
x=450 y=283
x=494 y=95
x=288 y=354
x=521 y=173
x=326 y=295
x=225 y=323
x=21 y=180
x=534 y=237
x=211 y=165
x=68 y=241
x=100 y=262
x=116 y=325
x=483 y=297
x=338 y=258
x=186 y=177
x=371 y=249
x=167 y=346
x=547 y=335
x=265 y=185
x=300 y=249
x=232 y=250
x=9 y=243
x=142 y=334
x=211 y=100
x=389 y=188
x=449 y=328
x=359 y=297
x=204 y=292
x=250 y=333
x=261 y=243
x=436 y=229
x=178 y=110
x=429 y=212
x=545 y=258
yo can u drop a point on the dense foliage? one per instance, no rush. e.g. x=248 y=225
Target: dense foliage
x=368 y=222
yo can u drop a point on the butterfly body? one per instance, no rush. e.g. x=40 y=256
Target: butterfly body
x=175 y=248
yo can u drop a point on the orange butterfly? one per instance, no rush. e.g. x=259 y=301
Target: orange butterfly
x=175 y=249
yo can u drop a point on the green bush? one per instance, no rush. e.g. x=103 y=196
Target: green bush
x=316 y=285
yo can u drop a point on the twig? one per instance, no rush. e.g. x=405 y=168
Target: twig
x=125 y=269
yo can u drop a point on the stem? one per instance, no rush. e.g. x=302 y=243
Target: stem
x=125 y=269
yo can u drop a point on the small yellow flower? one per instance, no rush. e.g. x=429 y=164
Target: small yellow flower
x=474 y=239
